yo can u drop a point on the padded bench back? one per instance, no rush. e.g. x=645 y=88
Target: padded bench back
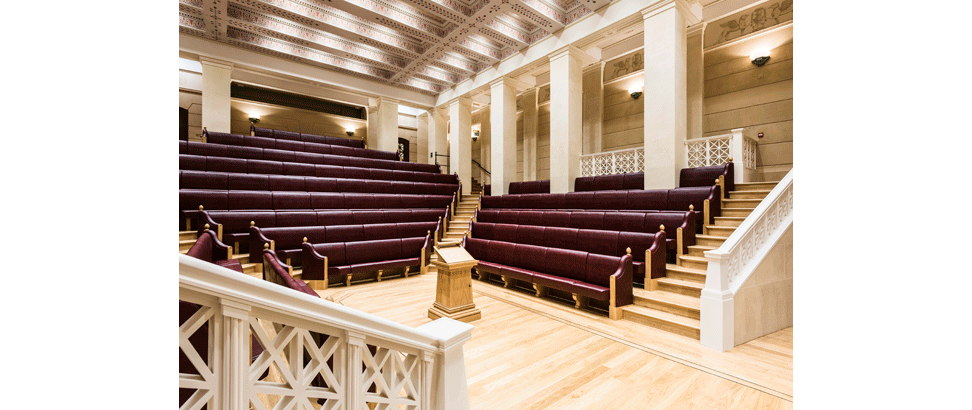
x=206 y=158
x=271 y=133
x=706 y=176
x=530 y=187
x=350 y=253
x=191 y=199
x=612 y=243
x=634 y=180
x=239 y=221
x=258 y=182
x=583 y=266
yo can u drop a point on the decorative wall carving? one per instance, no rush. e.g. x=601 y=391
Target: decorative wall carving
x=624 y=65
x=749 y=21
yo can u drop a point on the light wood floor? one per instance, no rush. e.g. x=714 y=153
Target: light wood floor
x=534 y=353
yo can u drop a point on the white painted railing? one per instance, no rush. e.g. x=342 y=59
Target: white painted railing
x=733 y=262
x=719 y=149
x=613 y=162
x=411 y=368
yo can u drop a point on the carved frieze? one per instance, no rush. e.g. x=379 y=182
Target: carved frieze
x=749 y=21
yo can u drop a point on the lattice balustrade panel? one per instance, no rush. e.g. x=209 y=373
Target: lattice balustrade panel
x=391 y=379
x=749 y=153
x=199 y=379
x=639 y=161
x=719 y=152
x=587 y=166
x=298 y=368
x=696 y=155
x=625 y=162
x=602 y=165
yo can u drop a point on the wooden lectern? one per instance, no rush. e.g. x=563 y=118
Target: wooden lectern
x=453 y=292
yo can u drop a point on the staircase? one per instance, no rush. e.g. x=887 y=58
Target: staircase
x=188 y=238
x=671 y=303
x=459 y=224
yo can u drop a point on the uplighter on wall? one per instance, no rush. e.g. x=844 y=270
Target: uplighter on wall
x=760 y=57
x=635 y=92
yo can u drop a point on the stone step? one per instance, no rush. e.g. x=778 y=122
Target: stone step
x=187 y=235
x=749 y=186
x=251 y=267
x=184 y=245
x=694 y=262
x=668 y=302
x=244 y=258
x=732 y=221
x=718 y=230
x=685 y=273
x=698 y=250
x=737 y=212
x=670 y=322
x=753 y=194
x=710 y=240
x=679 y=286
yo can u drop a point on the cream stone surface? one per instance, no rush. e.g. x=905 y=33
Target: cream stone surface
x=485 y=146
x=503 y=123
x=438 y=143
x=764 y=303
x=530 y=135
x=293 y=119
x=216 y=94
x=665 y=97
x=386 y=137
x=422 y=139
x=566 y=119
x=460 y=140
x=593 y=95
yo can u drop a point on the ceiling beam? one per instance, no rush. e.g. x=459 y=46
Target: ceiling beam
x=547 y=17
x=500 y=31
x=385 y=15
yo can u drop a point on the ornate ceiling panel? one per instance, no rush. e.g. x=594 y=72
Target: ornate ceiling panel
x=423 y=45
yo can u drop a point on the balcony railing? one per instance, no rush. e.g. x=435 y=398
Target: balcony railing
x=719 y=149
x=314 y=352
x=613 y=162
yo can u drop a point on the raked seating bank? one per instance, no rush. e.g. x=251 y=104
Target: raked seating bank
x=346 y=262
x=296 y=136
x=257 y=182
x=298 y=146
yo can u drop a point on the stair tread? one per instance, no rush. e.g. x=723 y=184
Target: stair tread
x=663 y=316
x=241 y=256
x=246 y=265
x=186 y=241
x=675 y=267
x=186 y=232
x=750 y=191
x=670 y=298
x=682 y=283
x=693 y=258
x=731 y=218
x=716 y=237
x=703 y=247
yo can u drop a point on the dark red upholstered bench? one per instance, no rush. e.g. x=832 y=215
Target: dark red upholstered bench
x=234 y=226
x=648 y=249
x=615 y=182
x=721 y=175
x=530 y=187
x=286 y=241
x=679 y=226
x=295 y=143
x=209 y=248
x=333 y=263
x=283 y=275
x=322 y=139
x=584 y=275
x=260 y=182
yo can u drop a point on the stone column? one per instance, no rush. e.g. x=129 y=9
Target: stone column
x=460 y=141
x=503 y=120
x=485 y=149
x=695 y=86
x=422 y=138
x=372 y=126
x=664 y=93
x=565 y=118
x=438 y=143
x=387 y=124
x=530 y=120
x=216 y=94
x=593 y=108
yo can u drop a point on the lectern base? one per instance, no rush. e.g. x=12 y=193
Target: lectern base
x=466 y=313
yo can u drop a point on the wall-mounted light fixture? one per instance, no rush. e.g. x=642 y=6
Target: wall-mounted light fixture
x=475 y=135
x=635 y=92
x=760 y=57
x=254 y=118
x=350 y=132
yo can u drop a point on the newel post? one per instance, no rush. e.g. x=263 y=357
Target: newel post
x=737 y=150
x=716 y=305
x=353 y=391
x=450 y=390
x=235 y=352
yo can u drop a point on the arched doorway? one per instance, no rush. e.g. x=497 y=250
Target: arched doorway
x=403 y=149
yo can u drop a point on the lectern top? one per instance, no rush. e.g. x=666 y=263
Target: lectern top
x=454 y=254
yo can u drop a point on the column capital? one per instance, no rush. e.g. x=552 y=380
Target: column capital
x=461 y=101
x=216 y=62
x=691 y=13
x=593 y=67
x=695 y=30
x=571 y=50
x=386 y=100
x=516 y=83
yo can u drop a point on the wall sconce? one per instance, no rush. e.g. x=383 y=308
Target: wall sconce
x=254 y=119
x=475 y=135
x=635 y=92
x=760 y=57
x=350 y=132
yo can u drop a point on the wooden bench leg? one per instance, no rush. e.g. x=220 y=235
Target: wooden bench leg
x=406 y=270
x=541 y=290
x=188 y=224
x=236 y=248
x=317 y=284
x=347 y=280
x=379 y=275
x=579 y=301
x=507 y=282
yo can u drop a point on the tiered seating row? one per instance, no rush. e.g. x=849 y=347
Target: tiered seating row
x=281 y=144
x=585 y=275
x=634 y=180
x=679 y=226
x=647 y=250
x=191 y=199
x=257 y=182
x=333 y=263
x=704 y=201
x=530 y=187
x=234 y=226
x=270 y=154
x=297 y=136
x=283 y=275
x=705 y=176
x=286 y=241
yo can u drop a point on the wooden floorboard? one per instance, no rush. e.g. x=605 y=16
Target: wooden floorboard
x=538 y=353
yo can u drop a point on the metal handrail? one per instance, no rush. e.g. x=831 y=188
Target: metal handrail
x=481 y=167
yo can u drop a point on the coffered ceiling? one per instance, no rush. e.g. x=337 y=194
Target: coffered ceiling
x=423 y=45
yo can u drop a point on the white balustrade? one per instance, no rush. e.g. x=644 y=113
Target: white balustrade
x=717 y=150
x=613 y=162
x=732 y=263
x=372 y=360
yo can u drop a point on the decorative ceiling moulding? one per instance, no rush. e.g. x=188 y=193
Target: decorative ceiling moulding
x=692 y=14
x=744 y=24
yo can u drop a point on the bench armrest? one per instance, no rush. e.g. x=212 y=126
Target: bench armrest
x=315 y=264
